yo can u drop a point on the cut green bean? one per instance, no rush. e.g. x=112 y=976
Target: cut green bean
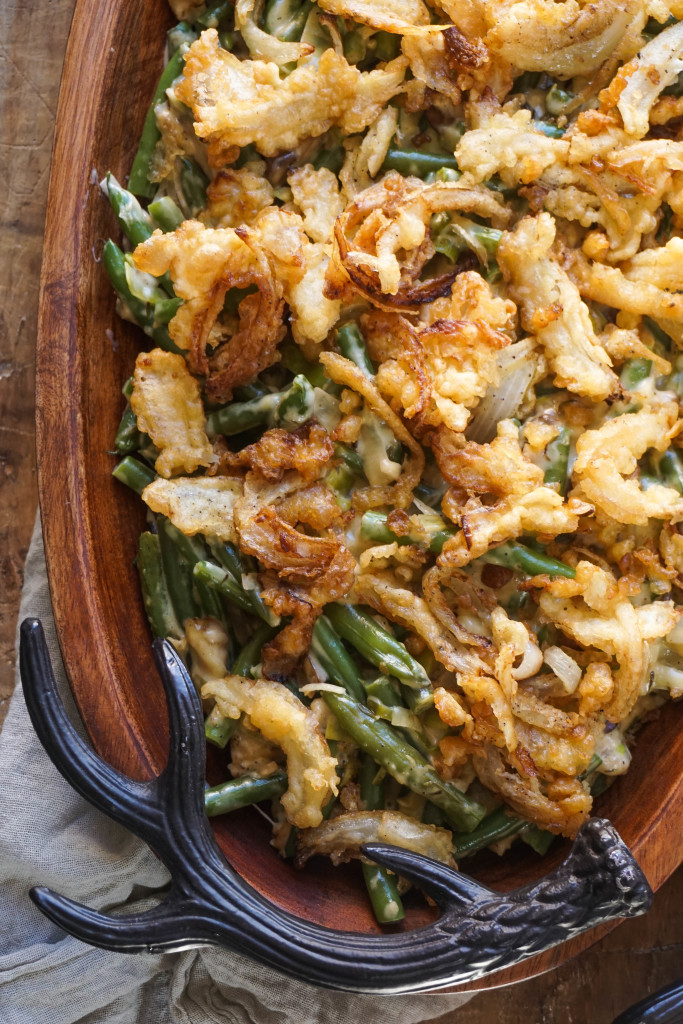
x=250 y=654
x=249 y=789
x=414 y=163
x=531 y=563
x=402 y=761
x=134 y=474
x=557 y=453
x=537 y=838
x=218 y=729
x=334 y=659
x=128 y=436
x=497 y=825
x=453 y=238
x=224 y=582
x=291 y=406
x=350 y=458
x=139 y=182
x=142 y=313
x=375 y=644
x=230 y=558
x=382 y=884
x=166 y=213
x=155 y=595
x=178 y=566
x=435 y=534
x=193 y=183
x=215 y=14
x=352 y=346
x=135 y=222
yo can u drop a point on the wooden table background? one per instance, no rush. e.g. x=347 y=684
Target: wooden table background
x=634 y=960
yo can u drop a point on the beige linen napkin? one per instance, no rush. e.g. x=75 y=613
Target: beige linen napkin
x=50 y=836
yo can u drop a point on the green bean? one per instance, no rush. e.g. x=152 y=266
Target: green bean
x=143 y=313
x=139 y=182
x=497 y=825
x=382 y=884
x=128 y=436
x=557 y=453
x=249 y=789
x=155 y=596
x=375 y=644
x=225 y=583
x=134 y=474
x=250 y=654
x=532 y=563
x=350 y=458
x=352 y=346
x=231 y=559
x=135 y=222
x=386 y=701
x=297 y=403
x=341 y=480
x=412 y=162
x=178 y=570
x=634 y=372
x=218 y=729
x=334 y=659
x=374 y=527
x=193 y=183
x=215 y=14
x=237 y=417
x=166 y=213
x=537 y=838
x=402 y=761
x=419 y=700
x=452 y=239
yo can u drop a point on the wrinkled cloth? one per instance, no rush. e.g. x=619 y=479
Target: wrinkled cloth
x=50 y=836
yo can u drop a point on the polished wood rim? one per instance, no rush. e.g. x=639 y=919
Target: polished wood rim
x=91 y=526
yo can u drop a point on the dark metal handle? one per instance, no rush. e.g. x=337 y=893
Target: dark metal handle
x=479 y=930
x=664 y=1007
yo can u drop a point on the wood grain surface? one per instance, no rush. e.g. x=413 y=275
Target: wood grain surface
x=639 y=956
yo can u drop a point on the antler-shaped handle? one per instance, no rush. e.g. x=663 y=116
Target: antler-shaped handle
x=479 y=930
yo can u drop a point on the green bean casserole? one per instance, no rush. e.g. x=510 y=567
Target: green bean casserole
x=406 y=418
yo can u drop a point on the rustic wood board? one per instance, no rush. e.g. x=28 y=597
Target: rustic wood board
x=630 y=963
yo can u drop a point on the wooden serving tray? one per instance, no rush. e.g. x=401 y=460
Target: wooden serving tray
x=91 y=523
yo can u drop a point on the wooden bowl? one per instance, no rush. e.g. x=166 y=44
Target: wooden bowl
x=91 y=523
